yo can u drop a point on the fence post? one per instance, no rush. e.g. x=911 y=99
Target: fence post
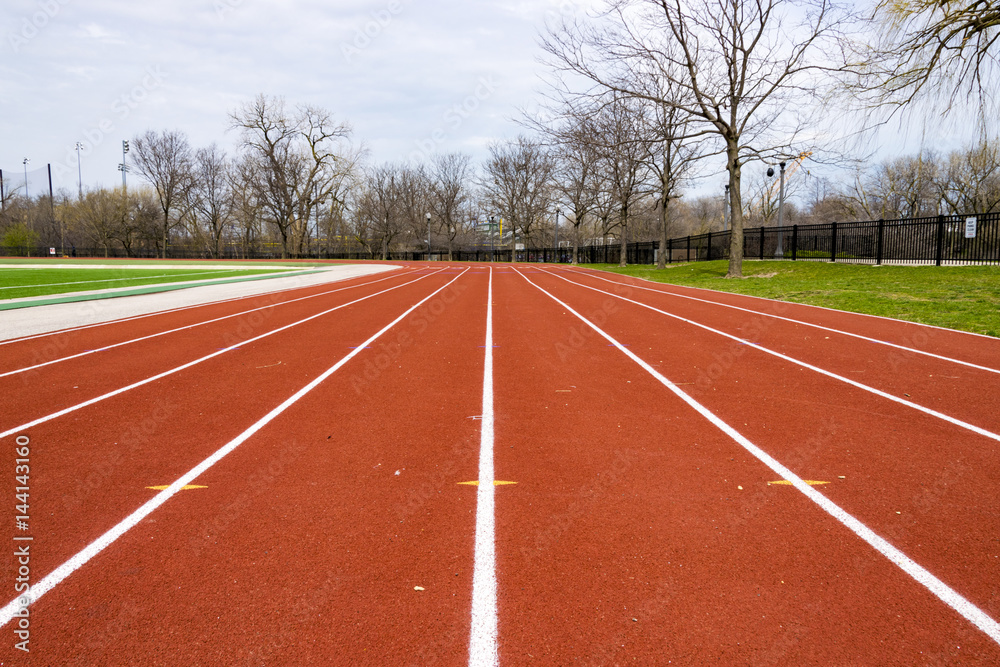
x=670 y=250
x=762 y=241
x=940 y=240
x=833 y=241
x=708 y=255
x=879 y=241
x=689 y=248
x=795 y=241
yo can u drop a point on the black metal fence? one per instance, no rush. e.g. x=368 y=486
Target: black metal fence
x=955 y=239
x=939 y=240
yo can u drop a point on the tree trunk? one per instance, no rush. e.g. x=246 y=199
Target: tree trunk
x=735 y=211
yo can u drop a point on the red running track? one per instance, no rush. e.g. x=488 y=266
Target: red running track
x=333 y=526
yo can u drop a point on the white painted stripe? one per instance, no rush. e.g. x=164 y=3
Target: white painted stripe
x=837 y=310
x=794 y=321
x=158 y=376
x=76 y=562
x=276 y=274
x=189 y=326
x=56 y=332
x=483 y=650
x=945 y=593
x=878 y=392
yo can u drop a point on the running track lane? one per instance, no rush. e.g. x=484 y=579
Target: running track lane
x=31 y=352
x=721 y=611
x=974 y=348
x=336 y=536
x=63 y=385
x=915 y=479
x=156 y=432
x=571 y=345
x=963 y=392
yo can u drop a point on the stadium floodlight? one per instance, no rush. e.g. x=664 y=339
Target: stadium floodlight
x=79 y=168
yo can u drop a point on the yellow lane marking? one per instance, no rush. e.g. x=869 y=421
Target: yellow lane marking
x=810 y=482
x=183 y=488
x=495 y=483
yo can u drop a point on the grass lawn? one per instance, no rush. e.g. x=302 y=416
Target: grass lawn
x=957 y=297
x=22 y=281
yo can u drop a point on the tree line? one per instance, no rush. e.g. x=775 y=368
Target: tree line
x=640 y=94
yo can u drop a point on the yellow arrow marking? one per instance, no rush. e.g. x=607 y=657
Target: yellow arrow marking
x=183 y=488
x=495 y=483
x=810 y=482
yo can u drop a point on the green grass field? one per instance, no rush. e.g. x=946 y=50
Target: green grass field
x=21 y=281
x=958 y=297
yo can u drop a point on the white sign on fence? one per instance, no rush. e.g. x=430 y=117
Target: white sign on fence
x=970 y=228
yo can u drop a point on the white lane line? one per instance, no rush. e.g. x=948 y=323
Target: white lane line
x=56 y=576
x=794 y=321
x=67 y=330
x=189 y=326
x=483 y=650
x=125 y=280
x=945 y=593
x=878 y=392
x=835 y=310
x=158 y=376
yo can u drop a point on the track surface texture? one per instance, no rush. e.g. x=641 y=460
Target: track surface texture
x=506 y=464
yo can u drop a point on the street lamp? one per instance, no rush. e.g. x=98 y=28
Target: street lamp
x=557 y=234
x=492 y=252
x=79 y=168
x=725 y=210
x=778 y=253
x=428 y=237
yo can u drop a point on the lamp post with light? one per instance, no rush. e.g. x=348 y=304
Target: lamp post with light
x=428 y=237
x=779 y=253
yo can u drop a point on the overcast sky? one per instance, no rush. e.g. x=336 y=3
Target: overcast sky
x=411 y=78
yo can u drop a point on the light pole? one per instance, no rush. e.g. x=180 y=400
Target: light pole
x=557 y=235
x=79 y=168
x=779 y=252
x=725 y=210
x=123 y=167
x=491 y=219
x=26 y=195
x=428 y=237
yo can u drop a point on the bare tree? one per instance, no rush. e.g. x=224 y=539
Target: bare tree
x=298 y=160
x=211 y=197
x=969 y=181
x=164 y=159
x=622 y=144
x=451 y=176
x=517 y=184
x=575 y=175
x=746 y=70
x=932 y=49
